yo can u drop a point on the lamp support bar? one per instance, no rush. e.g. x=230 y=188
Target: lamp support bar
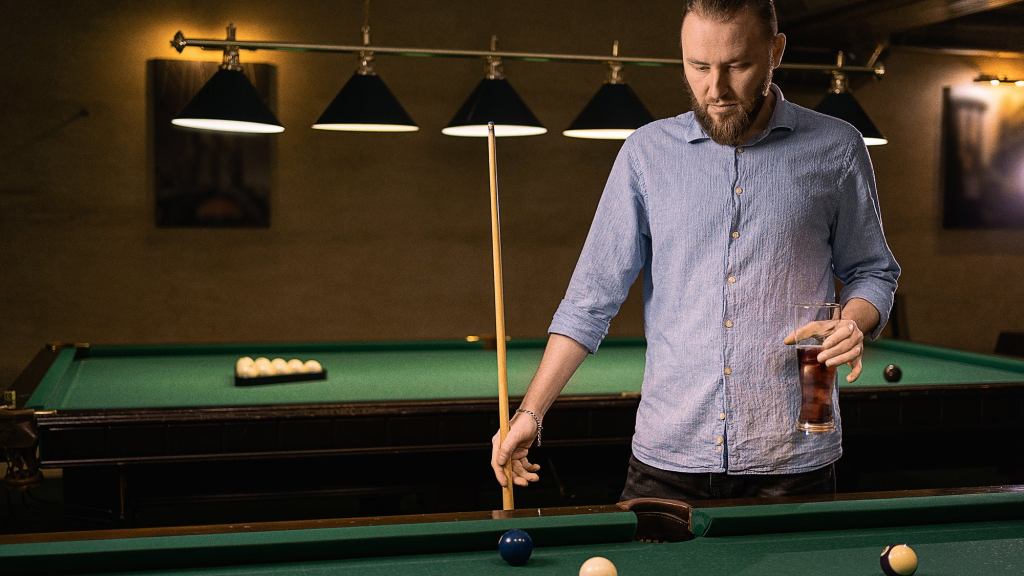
x=180 y=42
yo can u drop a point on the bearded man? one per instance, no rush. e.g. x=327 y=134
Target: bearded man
x=732 y=211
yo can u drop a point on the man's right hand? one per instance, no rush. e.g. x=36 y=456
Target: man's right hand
x=522 y=431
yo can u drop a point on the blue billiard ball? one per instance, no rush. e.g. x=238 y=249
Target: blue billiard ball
x=515 y=547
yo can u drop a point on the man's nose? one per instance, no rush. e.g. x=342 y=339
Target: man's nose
x=718 y=84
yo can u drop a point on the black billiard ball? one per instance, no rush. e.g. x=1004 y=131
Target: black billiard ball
x=515 y=547
x=898 y=560
x=892 y=373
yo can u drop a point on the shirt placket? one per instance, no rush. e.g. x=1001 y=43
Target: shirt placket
x=730 y=294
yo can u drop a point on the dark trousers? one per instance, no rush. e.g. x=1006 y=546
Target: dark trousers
x=643 y=481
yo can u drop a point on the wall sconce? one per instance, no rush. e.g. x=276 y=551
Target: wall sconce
x=998 y=80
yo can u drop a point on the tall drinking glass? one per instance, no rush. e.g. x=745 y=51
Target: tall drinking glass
x=814 y=322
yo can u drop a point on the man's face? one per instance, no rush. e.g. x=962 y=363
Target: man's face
x=728 y=67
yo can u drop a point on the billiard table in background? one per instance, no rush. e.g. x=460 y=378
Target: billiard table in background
x=952 y=532
x=153 y=434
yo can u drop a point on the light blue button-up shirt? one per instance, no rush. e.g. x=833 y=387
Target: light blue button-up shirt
x=727 y=238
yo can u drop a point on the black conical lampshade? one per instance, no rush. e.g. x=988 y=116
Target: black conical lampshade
x=494 y=100
x=844 y=106
x=365 y=104
x=228 y=103
x=612 y=114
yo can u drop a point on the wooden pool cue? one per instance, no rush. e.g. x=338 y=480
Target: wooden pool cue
x=499 y=316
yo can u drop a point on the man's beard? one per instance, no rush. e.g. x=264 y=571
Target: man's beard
x=731 y=128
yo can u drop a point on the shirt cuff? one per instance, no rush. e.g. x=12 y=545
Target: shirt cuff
x=574 y=322
x=879 y=298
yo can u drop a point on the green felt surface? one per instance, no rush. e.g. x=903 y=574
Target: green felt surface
x=140 y=377
x=183 y=376
x=992 y=548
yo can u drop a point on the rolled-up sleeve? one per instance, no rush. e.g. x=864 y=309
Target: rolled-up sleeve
x=860 y=255
x=612 y=257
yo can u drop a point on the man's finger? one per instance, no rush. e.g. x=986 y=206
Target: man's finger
x=844 y=329
x=499 y=472
x=855 y=372
x=815 y=328
x=520 y=471
x=849 y=356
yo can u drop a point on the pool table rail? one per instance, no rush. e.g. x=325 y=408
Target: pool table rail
x=295 y=541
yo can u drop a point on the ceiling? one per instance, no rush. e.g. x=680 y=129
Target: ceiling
x=819 y=28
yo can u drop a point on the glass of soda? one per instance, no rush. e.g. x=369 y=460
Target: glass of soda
x=814 y=322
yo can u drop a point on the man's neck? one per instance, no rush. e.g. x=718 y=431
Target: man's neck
x=763 y=116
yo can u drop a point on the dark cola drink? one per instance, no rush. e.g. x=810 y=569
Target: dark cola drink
x=816 y=382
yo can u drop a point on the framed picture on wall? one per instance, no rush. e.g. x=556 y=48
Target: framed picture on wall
x=204 y=178
x=983 y=156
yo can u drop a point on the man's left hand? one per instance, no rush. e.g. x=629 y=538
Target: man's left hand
x=845 y=345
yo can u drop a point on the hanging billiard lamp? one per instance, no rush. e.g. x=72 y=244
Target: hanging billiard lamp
x=228 y=102
x=494 y=100
x=614 y=112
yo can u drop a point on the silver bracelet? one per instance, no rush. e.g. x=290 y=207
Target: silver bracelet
x=536 y=419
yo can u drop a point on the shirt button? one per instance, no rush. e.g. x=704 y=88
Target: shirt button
x=731 y=279
x=718 y=448
x=728 y=323
x=719 y=440
x=721 y=415
x=735 y=234
x=739 y=190
x=727 y=371
x=739 y=150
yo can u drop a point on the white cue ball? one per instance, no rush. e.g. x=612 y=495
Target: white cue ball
x=295 y=365
x=312 y=366
x=280 y=366
x=598 y=566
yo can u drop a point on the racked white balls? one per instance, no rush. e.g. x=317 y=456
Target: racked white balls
x=312 y=366
x=280 y=366
x=242 y=365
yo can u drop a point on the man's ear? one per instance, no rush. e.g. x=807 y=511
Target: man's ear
x=778 y=47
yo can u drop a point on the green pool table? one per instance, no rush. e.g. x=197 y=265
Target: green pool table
x=123 y=416
x=958 y=532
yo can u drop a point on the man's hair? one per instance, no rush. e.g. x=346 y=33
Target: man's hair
x=725 y=9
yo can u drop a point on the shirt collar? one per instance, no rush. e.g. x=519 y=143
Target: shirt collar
x=783 y=118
